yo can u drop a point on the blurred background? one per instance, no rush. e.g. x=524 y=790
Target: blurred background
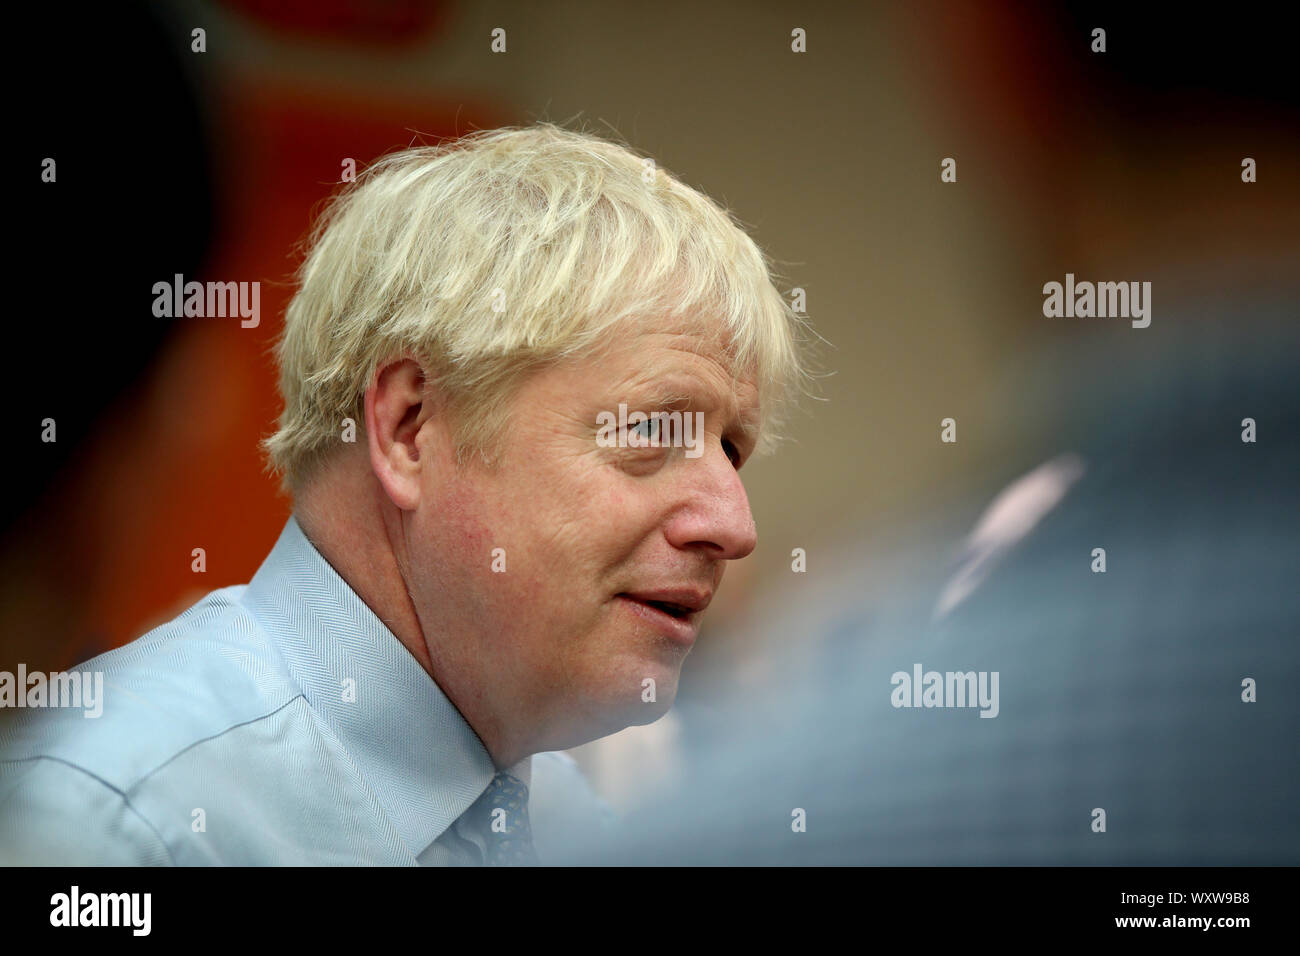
x=1123 y=165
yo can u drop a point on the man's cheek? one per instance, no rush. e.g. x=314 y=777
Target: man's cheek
x=474 y=528
x=572 y=537
x=624 y=517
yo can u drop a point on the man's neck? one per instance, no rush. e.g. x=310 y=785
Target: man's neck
x=340 y=514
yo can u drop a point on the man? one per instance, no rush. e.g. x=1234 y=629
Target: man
x=480 y=568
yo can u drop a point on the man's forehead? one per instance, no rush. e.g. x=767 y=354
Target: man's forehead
x=683 y=367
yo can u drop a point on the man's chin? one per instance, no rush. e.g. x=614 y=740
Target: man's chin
x=648 y=713
x=608 y=720
x=651 y=703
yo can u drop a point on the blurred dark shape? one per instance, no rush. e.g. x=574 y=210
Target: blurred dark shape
x=117 y=107
x=1119 y=690
x=1155 y=54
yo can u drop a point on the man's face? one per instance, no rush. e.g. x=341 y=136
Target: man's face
x=558 y=626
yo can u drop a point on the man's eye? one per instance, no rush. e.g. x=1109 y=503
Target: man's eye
x=648 y=430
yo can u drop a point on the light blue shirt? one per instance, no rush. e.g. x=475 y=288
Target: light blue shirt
x=278 y=722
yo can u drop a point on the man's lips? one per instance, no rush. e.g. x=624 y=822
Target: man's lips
x=681 y=603
x=675 y=612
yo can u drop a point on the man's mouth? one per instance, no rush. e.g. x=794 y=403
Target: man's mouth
x=679 y=603
x=676 y=610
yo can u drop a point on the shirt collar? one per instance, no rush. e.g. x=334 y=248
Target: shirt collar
x=417 y=753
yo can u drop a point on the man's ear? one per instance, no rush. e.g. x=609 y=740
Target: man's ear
x=396 y=408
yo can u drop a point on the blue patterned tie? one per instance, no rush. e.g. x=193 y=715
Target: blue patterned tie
x=503 y=820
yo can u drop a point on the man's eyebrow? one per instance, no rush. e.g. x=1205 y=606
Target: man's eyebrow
x=672 y=392
x=747 y=424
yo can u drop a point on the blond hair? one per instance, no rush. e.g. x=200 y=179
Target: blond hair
x=494 y=253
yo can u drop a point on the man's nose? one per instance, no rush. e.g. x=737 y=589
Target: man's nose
x=714 y=515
